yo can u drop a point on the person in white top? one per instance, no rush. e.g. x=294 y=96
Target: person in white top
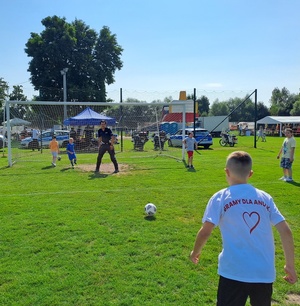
x=35 y=142
x=288 y=152
x=245 y=216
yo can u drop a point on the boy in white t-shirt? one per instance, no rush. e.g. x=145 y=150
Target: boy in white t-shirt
x=245 y=216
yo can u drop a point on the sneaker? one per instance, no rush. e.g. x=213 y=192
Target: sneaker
x=192 y=167
x=188 y=166
x=282 y=178
x=288 y=179
x=96 y=171
x=54 y=165
x=116 y=171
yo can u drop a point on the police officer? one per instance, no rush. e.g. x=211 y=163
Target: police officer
x=106 y=141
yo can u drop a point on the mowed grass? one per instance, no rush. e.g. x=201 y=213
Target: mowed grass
x=69 y=237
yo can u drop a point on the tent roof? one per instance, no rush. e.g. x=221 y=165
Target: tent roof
x=89 y=117
x=279 y=120
x=17 y=122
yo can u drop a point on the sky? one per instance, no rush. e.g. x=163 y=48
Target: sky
x=215 y=46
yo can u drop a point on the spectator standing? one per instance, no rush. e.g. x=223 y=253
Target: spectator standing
x=73 y=134
x=240 y=130
x=35 y=140
x=261 y=134
x=288 y=152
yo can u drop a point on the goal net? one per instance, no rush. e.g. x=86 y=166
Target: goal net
x=140 y=125
x=135 y=126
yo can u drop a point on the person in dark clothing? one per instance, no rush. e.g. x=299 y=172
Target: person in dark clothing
x=73 y=134
x=106 y=141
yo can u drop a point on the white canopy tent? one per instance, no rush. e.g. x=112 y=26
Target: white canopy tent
x=280 y=120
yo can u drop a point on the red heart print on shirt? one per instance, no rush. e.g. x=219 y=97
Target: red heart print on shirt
x=252 y=220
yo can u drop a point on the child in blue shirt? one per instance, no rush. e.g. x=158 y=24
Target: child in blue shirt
x=71 y=152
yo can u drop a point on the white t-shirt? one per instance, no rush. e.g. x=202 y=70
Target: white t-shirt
x=245 y=216
x=35 y=134
x=287 y=146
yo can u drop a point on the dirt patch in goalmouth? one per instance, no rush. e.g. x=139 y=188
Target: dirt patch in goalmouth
x=104 y=168
x=293 y=299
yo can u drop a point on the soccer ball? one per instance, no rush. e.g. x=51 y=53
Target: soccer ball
x=150 y=209
x=59 y=158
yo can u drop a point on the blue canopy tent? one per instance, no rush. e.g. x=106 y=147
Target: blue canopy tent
x=89 y=117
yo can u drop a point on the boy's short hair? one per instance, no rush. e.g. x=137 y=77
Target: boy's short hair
x=239 y=162
x=289 y=130
x=53 y=137
x=103 y=121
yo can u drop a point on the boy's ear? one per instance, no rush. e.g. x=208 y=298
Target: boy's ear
x=251 y=173
x=227 y=171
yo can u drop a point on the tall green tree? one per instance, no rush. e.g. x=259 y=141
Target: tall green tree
x=262 y=111
x=17 y=94
x=91 y=59
x=3 y=95
x=3 y=89
x=219 y=108
x=296 y=107
x=282 y=102
x=203 y=105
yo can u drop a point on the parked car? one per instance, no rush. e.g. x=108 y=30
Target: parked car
x=3 y=140
x=62 y=136
x=202 y=136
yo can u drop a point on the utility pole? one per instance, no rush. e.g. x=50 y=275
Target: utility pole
x=64 y=74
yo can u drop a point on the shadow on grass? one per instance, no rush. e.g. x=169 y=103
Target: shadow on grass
x=296 y=184
x=188 y=169
x=97 y=175
x=150 y=218
x=47 y=167
x=66 y=169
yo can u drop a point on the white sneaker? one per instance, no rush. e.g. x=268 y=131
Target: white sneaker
x=288 y=179
x=283 y=178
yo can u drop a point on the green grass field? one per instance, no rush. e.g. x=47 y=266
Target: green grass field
x=69 y=237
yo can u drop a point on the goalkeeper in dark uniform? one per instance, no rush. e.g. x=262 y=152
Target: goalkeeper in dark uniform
x=106 y=141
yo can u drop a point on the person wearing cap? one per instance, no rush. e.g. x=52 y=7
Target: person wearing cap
x=106 y=141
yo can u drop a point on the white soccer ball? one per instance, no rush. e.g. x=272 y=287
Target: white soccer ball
x=150 y=209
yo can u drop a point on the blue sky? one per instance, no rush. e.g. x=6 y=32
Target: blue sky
x=172 y=45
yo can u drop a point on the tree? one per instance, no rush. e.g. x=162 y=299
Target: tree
x=91 y=60
x=282 y=102
x=17 y=95
x=203 y=105
x=3 y=95
x=219 y=108
x=262 y=111
x=296 y=108
x=3 y=89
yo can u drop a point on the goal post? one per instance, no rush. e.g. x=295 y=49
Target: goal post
x=46 y=116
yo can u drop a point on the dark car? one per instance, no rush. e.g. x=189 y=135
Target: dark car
x=202 y=136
